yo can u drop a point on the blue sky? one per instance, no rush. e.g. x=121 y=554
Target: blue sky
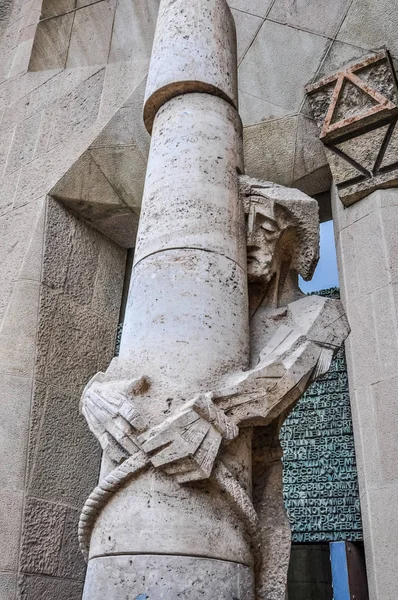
x=325 y=275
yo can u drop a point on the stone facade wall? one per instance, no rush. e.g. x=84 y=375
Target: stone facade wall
x=74 y=129
x=366 y=235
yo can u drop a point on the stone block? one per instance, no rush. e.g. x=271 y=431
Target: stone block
x=16 y=229
x=385 y=399
x=385 y=312
x=10 y=523
x=318 y=17
x=311 y=168
x=109 y=281
x=126 y=128
x=14 y=113
x=23 y=146
x=133 y=31
x=38 y=587
x=60 y=225
x=73 y=357
x=78 y=110
x=42 y=532
x=67 y=458
x=124 y=167
x=71 y=564
x=380 y=541
x=247 y=26
x=6 y=139
x=82 y=264
x=254 y=7
x=349 y=264
x=54 y=9
x=373 y=272
x=50 y=46
x=19 y=328
x=363 y=341
x=255 y=110
x=389 y=221
x=36 y=414
x=121 y=79
x=338 y=55
x=91 y=34
x=8 y=583
x=366 y=446
x=356 y=110
x=8 y=189
x=280 y=49
x=269 y=149
x=370 y=25
x=15 y=405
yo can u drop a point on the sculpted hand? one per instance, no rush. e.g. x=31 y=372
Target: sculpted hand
x=112 y=416
x=186 y=444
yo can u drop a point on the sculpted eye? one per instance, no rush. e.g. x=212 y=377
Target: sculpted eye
x=269 y=226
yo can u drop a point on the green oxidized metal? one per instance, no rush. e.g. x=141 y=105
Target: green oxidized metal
x=320 y=475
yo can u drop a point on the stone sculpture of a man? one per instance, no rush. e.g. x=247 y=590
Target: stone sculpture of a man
x=293 y=338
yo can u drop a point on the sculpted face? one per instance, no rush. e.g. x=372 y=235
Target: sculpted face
x=266 y=223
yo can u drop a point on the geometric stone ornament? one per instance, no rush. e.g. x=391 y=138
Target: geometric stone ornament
x=356 y=110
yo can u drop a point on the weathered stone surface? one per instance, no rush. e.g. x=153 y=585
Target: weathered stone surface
x=8 y=582
x=356 y=111
x=202 y=60
x=370 y=25
x=202 y=212
x=133 y=32
x=38 y=587
x=78 y=110
x=320 y=17
x=64 y=444
x=91 y=34
x=124 y=168
x=298 y=56
x=50 y=47
x=41 y=536
x=160 y=577
x=311 y=172
x=254 y=7
x=10 y=519
x=269 y=149
x=71 y=564
x=51 y=9
x=14 y=424
x=247 y=26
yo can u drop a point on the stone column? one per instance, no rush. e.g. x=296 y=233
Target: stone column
x=186 y=321
x=356 y=110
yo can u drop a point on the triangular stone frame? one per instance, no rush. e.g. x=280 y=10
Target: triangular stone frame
x=383 y=103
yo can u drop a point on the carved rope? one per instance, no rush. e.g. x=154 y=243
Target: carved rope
x=103 y=492
x=240 y=499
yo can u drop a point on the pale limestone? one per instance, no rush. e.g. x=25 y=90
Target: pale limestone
x=91 y=34
x=247 y=26
x=322 y=17
x=205 y=213
x=298 y=57
x=188 y=286
x=50 y=47
x=15 y=408
x=10 y=519
x=202 y=60
x=253 y=7
x=269 y=149
x=147 y=575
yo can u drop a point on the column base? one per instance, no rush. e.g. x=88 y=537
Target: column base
x=165 y=577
